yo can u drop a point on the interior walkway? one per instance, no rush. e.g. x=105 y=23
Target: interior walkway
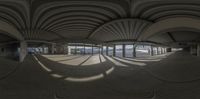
x=169 y=76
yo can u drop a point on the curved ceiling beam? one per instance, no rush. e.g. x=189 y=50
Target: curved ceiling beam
x=112 y=22
x=42 y=10
x=169 y=25
x=75 y=18
x=56 y=17
x=10 y=30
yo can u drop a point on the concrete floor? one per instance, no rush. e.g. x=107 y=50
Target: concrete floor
x=170 y=76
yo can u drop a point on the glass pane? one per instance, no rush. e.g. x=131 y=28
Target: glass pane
x=80 y=50
x=88 y=50
x=155 y=51
x=142 y=51
x=95 y=50
x=104 y=50
x=110 y=51
x=118 y=50
x=129 y=51
x=71 y=50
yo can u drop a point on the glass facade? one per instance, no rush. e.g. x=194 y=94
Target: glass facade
x=43 y=50
x=128 y=50
x=88 y=50
x=110 y=51
x=118 y=50
x=71 y=50
x=155 y=51
x=80 y=50
x=143 y=51
x=96 y=50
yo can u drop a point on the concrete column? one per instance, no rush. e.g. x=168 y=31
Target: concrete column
x=134 y=50
x=23 y=51
x=151 y=51
x=92 y=50
x=75 y=49
x=107 y=50
x=53 y=49
x=163 y=51
x=123 y=50
x=43 y=49
x=65 y=49
x=84 y=49
x=114 y=50
x=160 y=50
x=69 y=50
x=157 y=50
x=102 y=49
x=198 y=49
x=99 y=49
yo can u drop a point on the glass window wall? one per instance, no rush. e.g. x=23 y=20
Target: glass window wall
x=118 y=50
x=128 y=50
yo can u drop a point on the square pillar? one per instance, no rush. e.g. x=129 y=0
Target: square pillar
x=107 y=50
x=23 y=51
x=75 y=49
x=114 y=48
x=84 y=49
x=102 y=49
x=52 y=49
x=198 y=49
x=92 y=49
x=151 y=51
x=134 y=50
x=123 y=50
x=158 y=51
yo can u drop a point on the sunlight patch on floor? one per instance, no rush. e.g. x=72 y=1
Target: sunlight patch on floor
x=92 y=60
x=130 y=62
x=116 y=62
x=84 y=79
x=75 y=62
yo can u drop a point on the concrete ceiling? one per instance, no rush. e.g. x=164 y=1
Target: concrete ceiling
x=94 y=20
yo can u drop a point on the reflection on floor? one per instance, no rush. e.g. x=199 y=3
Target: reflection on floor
x=169 y=76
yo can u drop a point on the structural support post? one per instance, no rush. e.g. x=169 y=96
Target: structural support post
x=123 y=50
x=107 y=50
x=69 y=50
x=158 y=51
x=114 y=50
x=23 y=51
x=198 y=49
x=151 y=51
x=163 y=51
x=43 y=49
x=84 y=49
x=53 y=49
x=102 y=49
x=134 y=50
x=99 y=49
x=92 y=50
x=75 y=49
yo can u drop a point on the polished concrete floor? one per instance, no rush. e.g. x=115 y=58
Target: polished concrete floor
x=168 y=76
